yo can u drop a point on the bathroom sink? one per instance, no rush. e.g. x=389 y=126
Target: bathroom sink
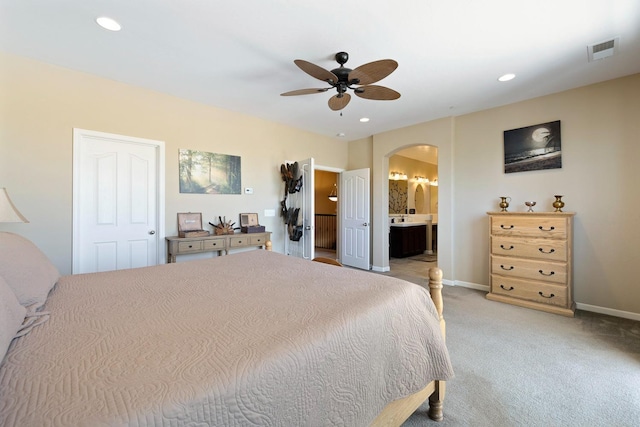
x=406 y=224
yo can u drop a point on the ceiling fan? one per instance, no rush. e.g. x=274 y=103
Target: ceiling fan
x=359 y=80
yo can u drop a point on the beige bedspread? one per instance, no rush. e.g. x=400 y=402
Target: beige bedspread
x=250 y=339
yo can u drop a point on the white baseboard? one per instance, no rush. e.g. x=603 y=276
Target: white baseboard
x=579 y=305
x=471 y=285
x=608 y=311
x=380 y=269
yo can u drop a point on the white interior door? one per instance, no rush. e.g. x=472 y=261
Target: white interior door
x=304 y=201
x=355 y=218
x=117 y=202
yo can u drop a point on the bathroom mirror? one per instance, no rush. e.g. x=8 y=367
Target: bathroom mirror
x=398 y=196
x=419 y=199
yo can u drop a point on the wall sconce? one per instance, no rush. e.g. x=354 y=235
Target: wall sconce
x=434 y=182
x=398 y=176
x=333 y=196
x=421 y=179
x=8 y=212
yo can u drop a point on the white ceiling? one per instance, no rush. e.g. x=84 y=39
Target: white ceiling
x=239 y=55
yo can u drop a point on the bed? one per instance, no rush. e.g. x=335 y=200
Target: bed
x=254 y=338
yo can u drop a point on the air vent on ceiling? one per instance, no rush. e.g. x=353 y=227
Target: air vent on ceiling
x=603 y=49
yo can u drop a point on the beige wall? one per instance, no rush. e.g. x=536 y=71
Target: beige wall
x=40 y=105
x=600 y=126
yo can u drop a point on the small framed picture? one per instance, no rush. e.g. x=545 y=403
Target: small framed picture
x=533 y=148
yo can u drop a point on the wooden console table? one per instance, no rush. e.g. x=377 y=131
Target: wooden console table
x=193 y=245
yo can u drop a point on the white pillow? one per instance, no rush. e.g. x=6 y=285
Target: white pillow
x=27 y=271
x=11 y=316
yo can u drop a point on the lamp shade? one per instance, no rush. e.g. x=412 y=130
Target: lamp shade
x=8 y=212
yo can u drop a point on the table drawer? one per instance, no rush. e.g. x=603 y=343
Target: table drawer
x=555 y=272
x=216 y=244
x=545 y=293
x=545 y=227
x=545 y=249
x=239 y=241
x=194 y=246
x=257 y=240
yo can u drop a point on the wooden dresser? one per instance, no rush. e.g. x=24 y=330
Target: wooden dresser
x=192 y=245
x=531 y=260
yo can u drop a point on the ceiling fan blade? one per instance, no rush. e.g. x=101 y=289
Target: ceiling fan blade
x=336 y=103
x=316 y=71
x=373 y=71
x=304 y=92
x=379 y=93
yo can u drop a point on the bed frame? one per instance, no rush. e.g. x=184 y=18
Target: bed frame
x=396 y=412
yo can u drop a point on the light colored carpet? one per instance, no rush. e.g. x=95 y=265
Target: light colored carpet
x=521 y=367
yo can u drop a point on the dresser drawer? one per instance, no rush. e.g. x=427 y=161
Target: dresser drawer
x=555 y=272
x=216 y=244
x=529 y=290
x=193 y=246
x=545 y=249
x=544 y=227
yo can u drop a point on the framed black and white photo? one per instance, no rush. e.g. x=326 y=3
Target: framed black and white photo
x=532 y=148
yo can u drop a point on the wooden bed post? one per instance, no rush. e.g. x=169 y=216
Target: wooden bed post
x=268 y=245
x=396 y=412
x=435 y=289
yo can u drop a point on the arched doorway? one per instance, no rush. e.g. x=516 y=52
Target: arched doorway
x=412 y=198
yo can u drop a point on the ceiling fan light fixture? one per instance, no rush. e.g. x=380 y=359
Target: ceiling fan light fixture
x=360 y=80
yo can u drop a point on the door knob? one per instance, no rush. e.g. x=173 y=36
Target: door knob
x=365 y=224
x=152 y=232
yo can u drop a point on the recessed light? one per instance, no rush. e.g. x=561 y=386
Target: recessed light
x=340 y=135
x=506 y=77
x=108 y=24
x=364 y=119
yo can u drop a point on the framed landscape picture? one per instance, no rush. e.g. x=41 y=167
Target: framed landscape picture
x=209 y=173
x=533 y=148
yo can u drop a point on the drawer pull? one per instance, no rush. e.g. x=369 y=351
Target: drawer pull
x=190 y=246
x=545 y=252
x=544 y=296
x=510 y=288
x=509 y=248
x=510 y=268
x=548 y=229
x=546 y=274
x=506 y=228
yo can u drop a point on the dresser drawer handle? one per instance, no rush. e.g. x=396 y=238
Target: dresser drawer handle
x=548 y=229
x=506 y=228
x=509 y=248
x=545 y=252
x=510 y=288
x=190 y=246
x=544 y=296
x=510 y=268
x=546 y=274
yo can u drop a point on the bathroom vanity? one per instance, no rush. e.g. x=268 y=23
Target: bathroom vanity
x=407 y=239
